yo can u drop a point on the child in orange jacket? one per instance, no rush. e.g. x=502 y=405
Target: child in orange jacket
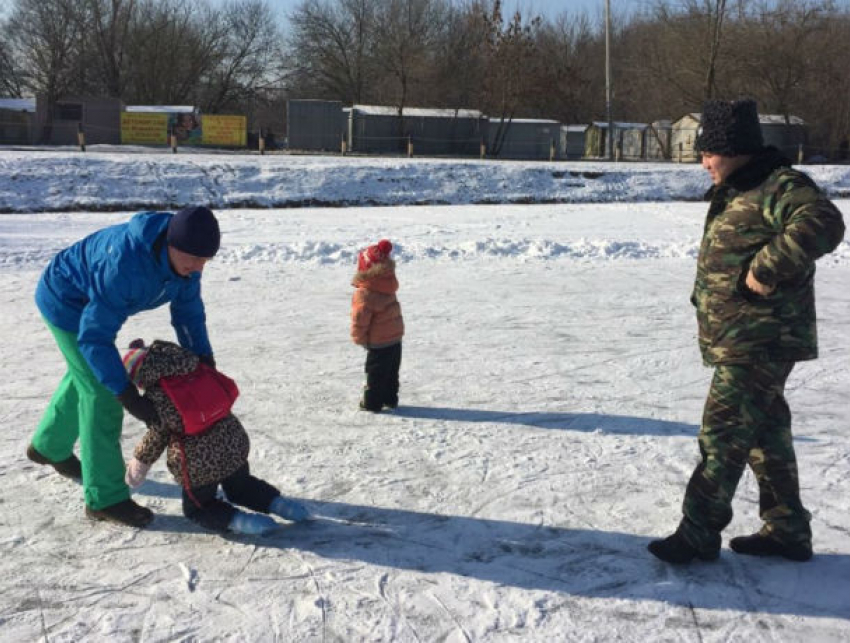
x=377 y=325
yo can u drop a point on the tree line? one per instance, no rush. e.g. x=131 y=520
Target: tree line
x=239 y=56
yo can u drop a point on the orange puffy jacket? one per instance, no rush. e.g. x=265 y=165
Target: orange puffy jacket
x=376 y=319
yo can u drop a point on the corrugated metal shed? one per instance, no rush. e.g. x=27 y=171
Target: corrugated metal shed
x=16 y=121
x=315 y=125
x=657 y=140
x=523 y=138
x=572 y=141
x=628 y=140
x=683 y=137
x=57 y=123
x=379 y=129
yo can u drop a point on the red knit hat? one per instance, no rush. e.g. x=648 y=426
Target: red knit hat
x=374 y=254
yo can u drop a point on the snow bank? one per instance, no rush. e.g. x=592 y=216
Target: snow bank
x=64 y=181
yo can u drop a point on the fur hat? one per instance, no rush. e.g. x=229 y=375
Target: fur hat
x=194 y=230
x=374 y=254
x=133 y=359
x=730 y=128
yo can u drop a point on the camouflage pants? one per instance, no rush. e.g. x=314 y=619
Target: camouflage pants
x=746 y=421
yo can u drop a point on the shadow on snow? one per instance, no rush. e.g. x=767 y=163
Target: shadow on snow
x=580 y=562
x=584 y=422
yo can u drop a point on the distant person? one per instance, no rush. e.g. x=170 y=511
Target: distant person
x=754 y=296
x=85 y=295
x=377 y=325
x=207 y=445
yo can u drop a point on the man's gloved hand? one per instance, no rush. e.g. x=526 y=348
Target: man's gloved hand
x=209 y=360
x=136 y=473
x=139 y=407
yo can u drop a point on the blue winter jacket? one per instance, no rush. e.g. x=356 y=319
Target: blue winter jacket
x=93 y=286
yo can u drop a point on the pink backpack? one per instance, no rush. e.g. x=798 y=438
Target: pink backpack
x=202 y=397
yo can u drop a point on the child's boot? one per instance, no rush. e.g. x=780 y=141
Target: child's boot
x=371 y=401
x=251 y=524
x=289 y=509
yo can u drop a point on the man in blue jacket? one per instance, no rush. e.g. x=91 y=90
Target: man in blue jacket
x=85 y=295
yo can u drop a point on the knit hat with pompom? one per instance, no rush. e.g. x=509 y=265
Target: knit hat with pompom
x=373 y=255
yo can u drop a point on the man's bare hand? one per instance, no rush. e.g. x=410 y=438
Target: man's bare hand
x=758 y=287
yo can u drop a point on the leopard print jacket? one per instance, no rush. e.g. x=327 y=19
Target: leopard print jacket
x=211 y=456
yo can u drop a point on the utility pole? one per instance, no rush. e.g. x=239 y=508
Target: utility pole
x=610 y=135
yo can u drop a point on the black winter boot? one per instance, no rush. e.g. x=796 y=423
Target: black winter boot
x=675 y=549
x=125 y=512
x=370 y=401
x=69 y=467
x=763 y=545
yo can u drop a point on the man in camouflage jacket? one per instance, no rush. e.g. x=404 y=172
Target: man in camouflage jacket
x=754 y=296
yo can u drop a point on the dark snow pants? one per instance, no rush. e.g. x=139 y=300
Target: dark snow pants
x=201 y=505
x=382 y=366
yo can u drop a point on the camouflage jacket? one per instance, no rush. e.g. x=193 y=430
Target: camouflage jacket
x=774 y=219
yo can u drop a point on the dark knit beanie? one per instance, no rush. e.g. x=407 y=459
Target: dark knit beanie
x=194 y=230
x=730 y=128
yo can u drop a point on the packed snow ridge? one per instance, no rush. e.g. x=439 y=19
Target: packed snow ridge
x=62 y=180
x=331 y=253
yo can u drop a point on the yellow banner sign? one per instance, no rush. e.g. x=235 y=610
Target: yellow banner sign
x=144 y=128
x=227 y=131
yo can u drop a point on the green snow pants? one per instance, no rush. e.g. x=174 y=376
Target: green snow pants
x=82 y=408
x=746 y=421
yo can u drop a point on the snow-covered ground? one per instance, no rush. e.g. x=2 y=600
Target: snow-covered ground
x=551 y=395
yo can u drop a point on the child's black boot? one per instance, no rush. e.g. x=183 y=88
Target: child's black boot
x=371 y=401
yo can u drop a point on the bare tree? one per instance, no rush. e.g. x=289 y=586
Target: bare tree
x=716 y=16
x=11 y=83
x=44 y=35
x=567 y=72
x=674 y=53
x=510 y=49
x=406 y=32
x=775 y=49
x=175 y=45
x=458 y=62
x=331 y=48
x=108 y=23
x=249 y=57
x=822 y=95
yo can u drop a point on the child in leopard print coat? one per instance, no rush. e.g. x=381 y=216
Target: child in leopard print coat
x=207 y=445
